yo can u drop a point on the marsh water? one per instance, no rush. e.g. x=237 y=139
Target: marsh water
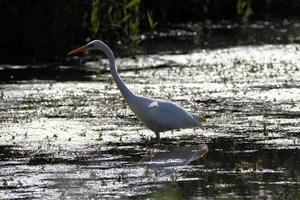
x=66 y=132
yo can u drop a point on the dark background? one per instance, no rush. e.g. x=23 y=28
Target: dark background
x=35 y=31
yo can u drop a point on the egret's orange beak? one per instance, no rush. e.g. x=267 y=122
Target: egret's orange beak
x=78 y=50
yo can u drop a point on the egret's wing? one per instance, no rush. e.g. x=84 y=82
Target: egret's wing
x=153 y=105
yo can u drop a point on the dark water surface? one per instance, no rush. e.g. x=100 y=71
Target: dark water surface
x=66 y=133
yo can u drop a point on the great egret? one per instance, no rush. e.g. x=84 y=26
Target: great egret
x=158 y=115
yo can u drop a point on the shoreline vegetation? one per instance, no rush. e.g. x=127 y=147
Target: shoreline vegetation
x=43 y=31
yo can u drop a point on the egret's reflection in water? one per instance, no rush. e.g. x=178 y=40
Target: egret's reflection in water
x=173 y=156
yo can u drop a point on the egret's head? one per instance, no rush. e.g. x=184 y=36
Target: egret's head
x=93 y=45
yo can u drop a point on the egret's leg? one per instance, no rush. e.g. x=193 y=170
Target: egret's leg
x=153 y=141
x=157 y=136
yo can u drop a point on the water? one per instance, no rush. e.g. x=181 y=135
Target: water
x=66 y=132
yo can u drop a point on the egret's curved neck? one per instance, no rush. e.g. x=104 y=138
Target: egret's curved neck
x=127 y=94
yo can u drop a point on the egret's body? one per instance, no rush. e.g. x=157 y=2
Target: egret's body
x=158 y=115
x=161 y=115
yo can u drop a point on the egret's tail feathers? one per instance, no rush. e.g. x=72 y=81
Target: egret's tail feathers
x=200 y=120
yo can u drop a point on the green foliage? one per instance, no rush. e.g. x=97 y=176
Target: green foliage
x=151 y=22
x=244 y=10
x=116 y=20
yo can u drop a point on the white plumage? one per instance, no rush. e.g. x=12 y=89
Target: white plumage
x=158 y=115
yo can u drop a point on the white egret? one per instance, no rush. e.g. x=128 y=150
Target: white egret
x=156 y=114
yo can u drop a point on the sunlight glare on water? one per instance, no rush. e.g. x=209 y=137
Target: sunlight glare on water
x=78 y=139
